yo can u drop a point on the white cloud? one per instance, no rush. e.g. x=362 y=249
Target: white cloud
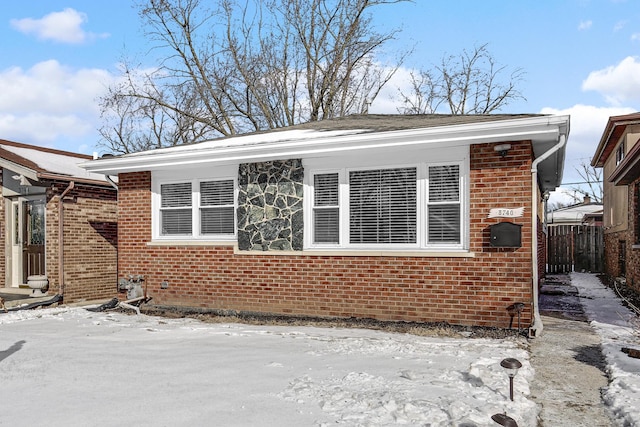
x=618 y=84
x=585 y=25
x=587 y=125
x=63 y=27
x=50 y=102
x=387 y=101
x=635 y=37
x=38 y=128
x=51 y=87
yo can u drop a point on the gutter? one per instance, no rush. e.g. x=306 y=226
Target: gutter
x=537 y=327
x=111 y=181
x=251 y=147
x=61 y=238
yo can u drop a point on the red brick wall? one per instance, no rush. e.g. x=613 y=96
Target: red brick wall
x=90 y=242
x=633 y=255
x=466 y=291
x=612 y=253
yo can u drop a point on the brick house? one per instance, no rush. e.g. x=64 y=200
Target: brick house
x=40 y=186
x=375 y=216
x=618 y=153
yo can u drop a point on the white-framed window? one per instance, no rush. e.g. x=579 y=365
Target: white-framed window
x=326 y=208
x=403 y=207
x=217 y=207
x=444 y=204
x=198 y=208
x=383 y=206
x=176 y=201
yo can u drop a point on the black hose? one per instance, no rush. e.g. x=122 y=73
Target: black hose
x=54 y=300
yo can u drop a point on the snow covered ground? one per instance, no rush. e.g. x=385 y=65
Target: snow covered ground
x=614 y=323
x=73 y=367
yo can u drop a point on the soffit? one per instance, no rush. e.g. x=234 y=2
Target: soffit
x=614 y=130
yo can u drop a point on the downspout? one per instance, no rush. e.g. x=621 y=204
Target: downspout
x=536 y=328
x=61 y=238
x=113 y=184
x=545 y=206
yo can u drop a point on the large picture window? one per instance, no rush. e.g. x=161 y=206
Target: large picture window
x=382 y=206
x=197 y=209
x=396 y=208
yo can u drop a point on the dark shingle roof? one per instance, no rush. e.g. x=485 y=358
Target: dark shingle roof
x=391 y=122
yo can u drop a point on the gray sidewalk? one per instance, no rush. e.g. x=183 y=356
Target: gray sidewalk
x=568 y=362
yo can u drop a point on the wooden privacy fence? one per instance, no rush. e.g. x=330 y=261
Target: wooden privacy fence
x=575 y=248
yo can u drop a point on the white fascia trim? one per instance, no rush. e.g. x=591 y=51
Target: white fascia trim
x=544 y=128
x=22 y=170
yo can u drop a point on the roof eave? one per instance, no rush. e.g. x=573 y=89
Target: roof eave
x=541 y=129
x=614 y=129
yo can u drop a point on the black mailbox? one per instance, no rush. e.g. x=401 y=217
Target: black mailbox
x=506 y=235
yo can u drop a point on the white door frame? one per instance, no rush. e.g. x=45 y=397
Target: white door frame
x=15 y=238
x=14 y=234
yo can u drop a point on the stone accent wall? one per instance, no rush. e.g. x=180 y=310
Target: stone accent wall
x=474 y=290
x=270 y=206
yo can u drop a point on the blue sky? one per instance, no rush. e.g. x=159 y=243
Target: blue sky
x=580 y=57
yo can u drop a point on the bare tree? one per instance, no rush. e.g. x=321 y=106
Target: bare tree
x=423 y=97
x=245 y=65
x=591 y=184
x=468 y=83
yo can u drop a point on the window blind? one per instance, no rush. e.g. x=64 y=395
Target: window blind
x=444 y=204
x=175 y=211
x=383 y=206
x=444 y=183
x=217 y=211
x=326 y=211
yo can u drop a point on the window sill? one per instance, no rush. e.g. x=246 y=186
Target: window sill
x=320 y=252
x=192 y=243
x=363 y=253
x=635 y=247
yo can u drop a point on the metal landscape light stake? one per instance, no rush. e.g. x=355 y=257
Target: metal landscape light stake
x=511 y=365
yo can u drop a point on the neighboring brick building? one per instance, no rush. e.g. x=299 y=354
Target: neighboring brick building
x=384 y=217
x=83 y=264
x=618 y=153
